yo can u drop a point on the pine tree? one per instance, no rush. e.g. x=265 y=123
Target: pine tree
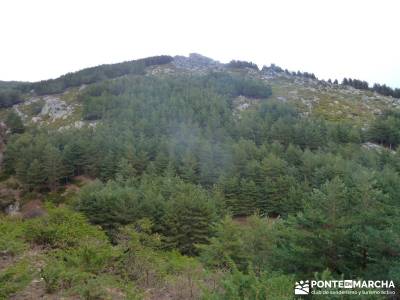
x=225 y=247
x=21 y=170
x=108 y=167
x=274 y=186
x=272 y=167
x=35 y=175
x=140 y=161
x=108 y=205
x=318 y=238
x=231 y=190
x=373 y=222
x=293 y=155
x=125 y=170
x=277 y=200
x=190 y=168
x=188 y=220
x=74 y=157
x=161 y=162
x=53 y=166
x=247 y=201
x=208 y=173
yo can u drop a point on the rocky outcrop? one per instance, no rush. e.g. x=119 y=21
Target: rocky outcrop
x=53 y=108
x=195 y=62
x=9 y=199
x=376 y=147
x=12 y=209
x=56 y=108
x=78 y=125
x=33 y=209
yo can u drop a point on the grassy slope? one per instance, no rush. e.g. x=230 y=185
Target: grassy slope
x=331 y=103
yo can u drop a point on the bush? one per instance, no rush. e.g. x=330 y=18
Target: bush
x=71 y=267
x=86 y=270
x=74 y=281
x=76 y=267
x=143 y=262
x=109 y=205
x=93 y=256
x=139 y=260
x=57 y=277
x=61 y=228
x=238 y=285
x=107 y=287
x=11 y=236
x=15 y=278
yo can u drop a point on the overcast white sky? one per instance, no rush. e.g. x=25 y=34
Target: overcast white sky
x=334 y=39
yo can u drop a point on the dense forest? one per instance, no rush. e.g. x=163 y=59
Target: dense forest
x=231 y=206
x=10 y=92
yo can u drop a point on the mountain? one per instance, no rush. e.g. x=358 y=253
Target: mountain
x=56 y=101
x=186 y=178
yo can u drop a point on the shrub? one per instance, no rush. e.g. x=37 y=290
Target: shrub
x=139 y=260
x=61 y=228
x=238 y=285
x=107 y=287
x=85 y=271
x=11 y=236
x=15 y=278
x=58 y=277
x=67 y=268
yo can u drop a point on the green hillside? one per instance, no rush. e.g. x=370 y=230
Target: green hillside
x=184 y=178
